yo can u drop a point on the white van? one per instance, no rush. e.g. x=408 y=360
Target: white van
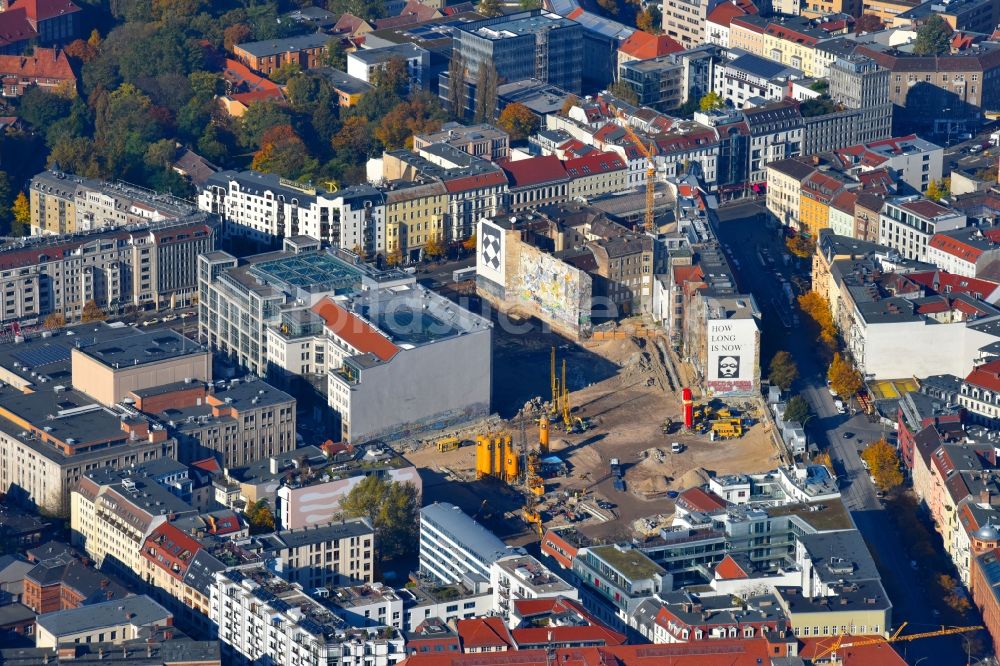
x=676 y=447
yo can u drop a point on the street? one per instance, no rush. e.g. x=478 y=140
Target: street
x=742 y=233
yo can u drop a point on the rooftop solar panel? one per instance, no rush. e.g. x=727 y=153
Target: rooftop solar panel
x=43 y=355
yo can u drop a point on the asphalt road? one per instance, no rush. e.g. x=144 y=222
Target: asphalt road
x=742 y=232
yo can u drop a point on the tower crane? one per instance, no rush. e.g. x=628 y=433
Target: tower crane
x=647 y=152
x=840 y=642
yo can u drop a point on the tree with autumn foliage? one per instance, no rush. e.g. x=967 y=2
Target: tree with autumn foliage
x=517 y=120
x=938 y=189
x=800 y=245
x=92 y=312
x=283 y=152
x=84 y=50
x=844 y=379
x=236 y=34
x=469 y=244
x=883 y=464
x=868 y=23
x=568 y=104
x=417 y=116
x=22 y=215
x=817 y=308
x=54 y=321
x=649 y=20
x=434 y=249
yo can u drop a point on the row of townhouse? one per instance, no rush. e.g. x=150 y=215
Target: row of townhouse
x=431 y=196
x=847 y=191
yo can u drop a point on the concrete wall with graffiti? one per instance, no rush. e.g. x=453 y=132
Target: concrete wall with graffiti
x=551 y=290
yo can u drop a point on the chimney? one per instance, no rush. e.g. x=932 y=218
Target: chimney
x=984 y=495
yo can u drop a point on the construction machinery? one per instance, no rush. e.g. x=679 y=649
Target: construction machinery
x=554 y=405
x=496 y=457
x=730 y=428
x=649 y=222
x=844 y=641
x=543 y=435
x=446 y=444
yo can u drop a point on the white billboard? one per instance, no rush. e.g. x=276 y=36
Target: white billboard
x=490 y=248
x=732 y=355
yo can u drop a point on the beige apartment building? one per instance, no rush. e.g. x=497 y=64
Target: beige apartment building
x=331 y=555
x=684 y=21
x=414 y=216
x=66 y=204
x=784 y=188
x=111 y=373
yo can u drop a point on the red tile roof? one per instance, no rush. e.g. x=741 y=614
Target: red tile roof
x=355 y=331
x=172 y=549
x=239 y=74
x=696 y=499
x=14 y=26
x=595 y=630
x=726 y=12
x=943 y=282
x=594 y=163
x=485 y=632
x=751 y=652
x=986 y=376
x=41 y=10
x=684 y=274
x=955 y=247
x=533 y=171
x=728 y=569
x=463 y=183
x=643 y=46
x=925 y=208
x=880 y=654
x=42 y=64
x=210 y=465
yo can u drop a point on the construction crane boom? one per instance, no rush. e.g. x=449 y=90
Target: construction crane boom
x=839 y=642
x=649 y=222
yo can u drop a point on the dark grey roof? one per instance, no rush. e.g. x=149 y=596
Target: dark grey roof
x=839 y=555
x=332 y=532
x=14 y=613
x=143 y=611
x=762 y=67
x=342 y=81
x=140 y=348
x=269 y=47
x=201 y=572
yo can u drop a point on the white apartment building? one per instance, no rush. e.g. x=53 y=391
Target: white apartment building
x=364 y=63
x=915 y=161
x=265 y=619
x=454 y=548
x=524 y=577
x=775 y=134
x=263 y=209
x=906 y=224
x=379 y=336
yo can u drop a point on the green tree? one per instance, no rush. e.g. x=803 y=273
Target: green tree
x=624 y=92
x=22 y=215
x=336 y=56
x=844 y=379
x=392 y=509
x=92 y=312
x=933 y=37
x=490 y=8
x=797 y=409
x=783 y=371
x=883 y=463
x=712 y=102
x=260 y=117
x=518 y=121
x=528 y=5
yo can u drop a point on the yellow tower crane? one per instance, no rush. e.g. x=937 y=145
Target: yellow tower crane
x=566 y=409
x=647 y=151
x=846 y=642
x=554 y=407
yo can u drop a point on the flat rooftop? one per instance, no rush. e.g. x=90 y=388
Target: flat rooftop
x=632 y=563
x=821 y=516
x=68 y=416
x=314 y=271
x=534 y=575
x=517 y=25
x=139 y=348
x=136 y=611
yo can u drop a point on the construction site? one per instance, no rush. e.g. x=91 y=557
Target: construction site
x=600 y=440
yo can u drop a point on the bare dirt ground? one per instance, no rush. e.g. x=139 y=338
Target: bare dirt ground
x=626 y=406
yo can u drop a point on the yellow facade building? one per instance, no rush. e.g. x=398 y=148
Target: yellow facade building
x=414 y=216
